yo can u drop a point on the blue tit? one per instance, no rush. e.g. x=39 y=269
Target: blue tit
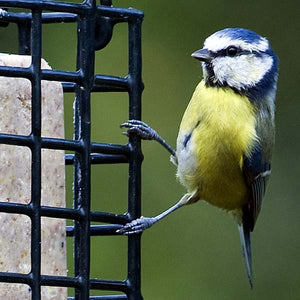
x=226 y=135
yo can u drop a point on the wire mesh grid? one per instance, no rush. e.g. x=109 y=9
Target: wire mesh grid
x=94 y=30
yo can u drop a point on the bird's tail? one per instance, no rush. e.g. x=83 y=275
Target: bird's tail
x=246 y=246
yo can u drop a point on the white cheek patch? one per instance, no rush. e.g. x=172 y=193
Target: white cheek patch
x=215 y=43
x=240 y=71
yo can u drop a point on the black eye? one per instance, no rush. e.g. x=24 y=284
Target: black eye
x=232 y=50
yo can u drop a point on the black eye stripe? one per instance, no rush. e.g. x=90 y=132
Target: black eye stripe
x=223 y=52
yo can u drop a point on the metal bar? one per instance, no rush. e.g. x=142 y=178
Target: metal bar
x=60 y=281
x=63 y=213
x=104 y=229
x=122 y=13
x=61 y=75
x=16 y=278
x=99 y=216
x=24 y=30
x=109 y=297
x=112 y=285
x=17 y=140
x=16 y=72
x=135 y=161
x=16 y=208
x=100 y=159
x=36 y=120
x=96 y=230
x=45 y=5
x=56 y=143
x=108 y=159
x=23 y=18
x=82 y=180
x=112 y=81
x=102 y=82
x=69 y=87
x=107 y=88
x=118 y=13
x=110 y=148
x=59 y=17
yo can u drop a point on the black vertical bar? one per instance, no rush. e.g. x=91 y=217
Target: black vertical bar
x=36 y=154
x=24 y=29
x=135 y=161
x=82 y=170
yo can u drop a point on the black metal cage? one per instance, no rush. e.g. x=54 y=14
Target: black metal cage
x=94 y=30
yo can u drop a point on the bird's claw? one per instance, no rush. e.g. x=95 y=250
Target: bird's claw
x=136 y=226
x=140 y=128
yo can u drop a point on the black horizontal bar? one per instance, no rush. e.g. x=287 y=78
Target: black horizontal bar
x=69 y=159
x=99 y=216
x=100 y=159
x=69 y=87
x=65 y=213
x=97 y=230
x=59 y=17
x=46 y=5
x=64 y=281
x=17 y=140
x=110 y=148
x=107 y=89
x=57 y=75
x=112 y=81
x=54 y=75
x=112 y=285
x=15 y=208
x=16 y=72
x=122 y=13
x=22 y=17
x=62 y=144
x=104 y=229
x=108 y=297
x=49 y=143
x=97 y=158
x=102 y=83
x=118 y=13
x=60 y=212
x=15 y=278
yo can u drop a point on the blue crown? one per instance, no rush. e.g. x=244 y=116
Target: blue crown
x=240 y=33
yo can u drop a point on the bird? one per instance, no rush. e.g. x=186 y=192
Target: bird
x=226 y=136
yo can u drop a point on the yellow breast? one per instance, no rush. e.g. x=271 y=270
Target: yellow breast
x=217 y=130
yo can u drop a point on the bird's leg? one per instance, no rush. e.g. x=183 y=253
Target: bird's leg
x=139 y=225
x=146 y=133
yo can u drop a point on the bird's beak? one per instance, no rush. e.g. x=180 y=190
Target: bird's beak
x=203 y=55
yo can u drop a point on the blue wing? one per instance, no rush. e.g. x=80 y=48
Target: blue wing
x=256 y=171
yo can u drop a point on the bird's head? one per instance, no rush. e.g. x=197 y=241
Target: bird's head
x=240 y=59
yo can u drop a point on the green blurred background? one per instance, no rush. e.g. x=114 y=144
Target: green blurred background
x=195 y=253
